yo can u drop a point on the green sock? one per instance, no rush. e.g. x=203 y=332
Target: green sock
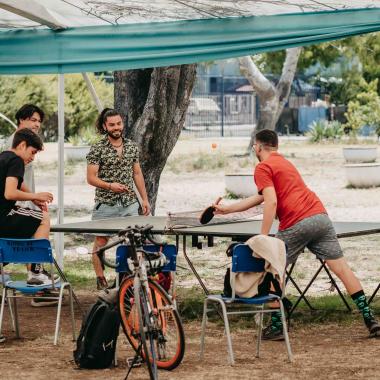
x=361 y=302
x=276 y=322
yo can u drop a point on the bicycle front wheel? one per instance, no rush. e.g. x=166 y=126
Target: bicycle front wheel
x=146 y=328
x=169 y=334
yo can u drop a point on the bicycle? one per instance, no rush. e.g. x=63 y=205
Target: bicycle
x=149 y=318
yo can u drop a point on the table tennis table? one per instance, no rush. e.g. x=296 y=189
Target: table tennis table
x=236 y=231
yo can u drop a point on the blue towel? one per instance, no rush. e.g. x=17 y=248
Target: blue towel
x=306 y=116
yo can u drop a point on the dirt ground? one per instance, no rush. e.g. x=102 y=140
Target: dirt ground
x=328 y=351
x=324 y=351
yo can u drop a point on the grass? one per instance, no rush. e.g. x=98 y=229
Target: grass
x=207 y=162
x=329 y=309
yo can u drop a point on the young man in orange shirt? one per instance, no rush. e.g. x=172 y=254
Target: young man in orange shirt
x=304 y=223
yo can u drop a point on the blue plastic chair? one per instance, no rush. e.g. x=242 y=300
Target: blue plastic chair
x=24 y=251
x=243 y=261
x=169 y=250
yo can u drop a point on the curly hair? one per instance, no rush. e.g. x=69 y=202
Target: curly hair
x=102 y=118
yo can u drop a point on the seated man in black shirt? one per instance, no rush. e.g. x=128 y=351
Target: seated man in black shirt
x=19 y=222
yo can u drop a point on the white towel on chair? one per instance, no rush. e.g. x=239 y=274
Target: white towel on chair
x=273 y=251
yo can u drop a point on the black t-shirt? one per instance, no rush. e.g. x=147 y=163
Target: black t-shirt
x=11 y=165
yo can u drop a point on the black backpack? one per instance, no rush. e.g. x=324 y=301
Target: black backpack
x=97 y=339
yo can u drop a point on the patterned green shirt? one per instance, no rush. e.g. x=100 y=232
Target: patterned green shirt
x=113 y=168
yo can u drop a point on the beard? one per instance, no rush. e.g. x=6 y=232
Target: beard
x=115 y=134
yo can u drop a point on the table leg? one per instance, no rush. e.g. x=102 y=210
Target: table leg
x=374 y=293
x=305 y=290
x=290 y=278
x=323 y=263
x=201 y=283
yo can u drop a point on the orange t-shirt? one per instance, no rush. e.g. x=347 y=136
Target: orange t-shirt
x=295 y=201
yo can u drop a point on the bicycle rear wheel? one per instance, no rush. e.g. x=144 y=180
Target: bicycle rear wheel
x=169 y=335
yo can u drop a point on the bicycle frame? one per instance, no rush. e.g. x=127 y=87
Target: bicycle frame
x=152 y=304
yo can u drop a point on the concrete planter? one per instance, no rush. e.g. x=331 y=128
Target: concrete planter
x=363 y=175
x=241 y=185
x=75 y=153
x=360 y=154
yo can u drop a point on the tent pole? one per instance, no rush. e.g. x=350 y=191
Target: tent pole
x=94 y=95
x=59 y=237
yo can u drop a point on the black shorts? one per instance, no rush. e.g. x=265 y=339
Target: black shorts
x=20 y=223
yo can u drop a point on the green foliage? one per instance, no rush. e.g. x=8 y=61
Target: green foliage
x=209 y=161
x=16 y=91
x=322 y=130
x=80 y=110
x=356 y=59
x=367 y=48
x=365 y=108
x=201 y=161
x=317 y=131
x=190 y=303
x=230 y=195
x=324 y=54
x=84 y=136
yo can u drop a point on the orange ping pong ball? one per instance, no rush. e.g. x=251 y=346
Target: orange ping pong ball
x=214 y=145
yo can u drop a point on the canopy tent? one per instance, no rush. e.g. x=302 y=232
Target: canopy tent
x=79 y=36
x=65 y=36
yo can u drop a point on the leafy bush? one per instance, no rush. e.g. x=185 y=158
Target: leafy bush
x=80 y=110
x=365 y=109
x=86 y=136
x=323 y=130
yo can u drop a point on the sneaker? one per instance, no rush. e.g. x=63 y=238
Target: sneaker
x=101 y=283
x=373 y=328
x=48 y=274
x=44 y=299
x=272 y=334
x=2 y=338
x=6 y=278
x=38 y=279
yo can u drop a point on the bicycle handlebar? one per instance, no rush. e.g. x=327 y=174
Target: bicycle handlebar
x=128 y=233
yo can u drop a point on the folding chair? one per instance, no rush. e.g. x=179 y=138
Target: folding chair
x=24 y=251
x=243 y=261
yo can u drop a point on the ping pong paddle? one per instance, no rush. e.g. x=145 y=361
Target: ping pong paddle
x=208 y=213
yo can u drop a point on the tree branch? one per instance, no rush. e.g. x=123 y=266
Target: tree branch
x=257 y=80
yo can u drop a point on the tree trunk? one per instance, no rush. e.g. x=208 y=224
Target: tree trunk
x=272 y=99
x=154 y=102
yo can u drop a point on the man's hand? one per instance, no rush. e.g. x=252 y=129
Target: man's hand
x=221 y=209
x=145 y=207
x=43 y=197
x=119 y=188
x=42 y=205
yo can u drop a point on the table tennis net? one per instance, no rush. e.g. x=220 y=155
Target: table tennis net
x=191 y=218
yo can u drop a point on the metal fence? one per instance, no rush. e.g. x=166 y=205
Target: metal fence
x=221 y=115
x=225 y=106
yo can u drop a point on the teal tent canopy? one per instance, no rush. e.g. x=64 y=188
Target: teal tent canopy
x=64 y=36
x=105 y=45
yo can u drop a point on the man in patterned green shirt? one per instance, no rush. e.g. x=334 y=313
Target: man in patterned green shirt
x=113 y=168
